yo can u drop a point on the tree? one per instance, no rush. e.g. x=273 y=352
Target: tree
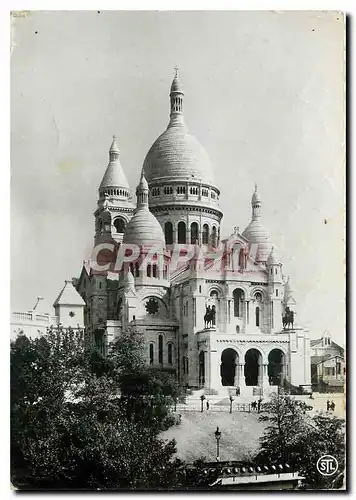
x=147 y=393
x=70 y=428
x=294 y=437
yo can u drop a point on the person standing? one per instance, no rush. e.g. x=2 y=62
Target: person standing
x=207 y=405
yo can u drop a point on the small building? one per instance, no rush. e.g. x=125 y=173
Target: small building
x=235 y=475
x=69 y=312
x=328 y=369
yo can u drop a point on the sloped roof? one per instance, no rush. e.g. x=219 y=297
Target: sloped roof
x=69 y=296
x=315 y=360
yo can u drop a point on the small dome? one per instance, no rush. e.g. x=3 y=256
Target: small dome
x=177 y=85
x=178 y=154
x=272 y=259
x=257 y=234
x=114 y=175
x=143 y=185
x=144 y=229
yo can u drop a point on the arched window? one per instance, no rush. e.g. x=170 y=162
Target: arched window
x=170 y=354
x=205 y=234
x=151 y=354
x=182 y=236
x=154 y=270
x=238 y=302
x=148 y=270
x=168 y=233
x=257 y=316
x=119 y=225
x=160 y=349
x=194 y=235
x=213 y=236
x=242 y=258
x=137 y=269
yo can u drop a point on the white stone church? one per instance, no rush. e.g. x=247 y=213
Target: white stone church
x=216 y=323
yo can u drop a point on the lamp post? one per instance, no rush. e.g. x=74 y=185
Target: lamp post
x=217 y=437
x=231 y=400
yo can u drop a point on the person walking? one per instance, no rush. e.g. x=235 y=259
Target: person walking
x=332 y=406
x=327 y=405
x=207 y=405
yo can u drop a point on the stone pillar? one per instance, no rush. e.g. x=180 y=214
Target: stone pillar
x=265 y=378
x=237 y=374
x=241 y=370
x=260 y=373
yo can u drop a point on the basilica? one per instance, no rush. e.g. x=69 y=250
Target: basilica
x=221 y=318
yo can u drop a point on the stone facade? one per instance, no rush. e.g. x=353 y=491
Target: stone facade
x=244 y=344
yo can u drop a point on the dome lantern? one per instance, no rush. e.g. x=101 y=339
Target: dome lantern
x=176 y=96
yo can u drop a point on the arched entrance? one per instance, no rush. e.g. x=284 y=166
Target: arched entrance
x=201 y=369
x=276 y=367
x=228 y=370
x=253 y=367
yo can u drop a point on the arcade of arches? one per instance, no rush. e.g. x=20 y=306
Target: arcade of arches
x=251 y=371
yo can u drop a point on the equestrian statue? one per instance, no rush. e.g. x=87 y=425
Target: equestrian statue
x=209 y=316
x=288 y=318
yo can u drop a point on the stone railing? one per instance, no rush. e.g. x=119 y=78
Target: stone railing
x=32 y=317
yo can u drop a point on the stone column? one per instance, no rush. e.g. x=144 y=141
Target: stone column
x=241 y=369
x=237 y=374
x=265 y=379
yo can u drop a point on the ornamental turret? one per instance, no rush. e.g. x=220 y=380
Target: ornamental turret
x=115 y=198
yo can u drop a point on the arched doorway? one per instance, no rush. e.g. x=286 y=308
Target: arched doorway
x=228 y=367
x=276 y=367
x=201 y=369
x=253 y=367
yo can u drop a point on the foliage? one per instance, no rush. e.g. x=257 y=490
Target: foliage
x=70 y=427
x=294 y=437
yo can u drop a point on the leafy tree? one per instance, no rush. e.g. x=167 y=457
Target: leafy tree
x=70 y=428
x=294 y=437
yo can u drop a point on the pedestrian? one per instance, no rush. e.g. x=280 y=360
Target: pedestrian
x=327 y=405
x=332 y=406
x=259 y=405
x=207 y=405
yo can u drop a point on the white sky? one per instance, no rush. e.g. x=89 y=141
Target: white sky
x=264 y=95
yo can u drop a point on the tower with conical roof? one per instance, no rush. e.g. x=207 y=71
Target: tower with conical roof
x=256 y=234
x=182 y=191
x=115 y=206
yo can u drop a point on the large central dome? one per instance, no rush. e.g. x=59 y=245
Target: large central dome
x=177 y=154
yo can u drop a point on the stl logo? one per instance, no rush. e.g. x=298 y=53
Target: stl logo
x=327 y=465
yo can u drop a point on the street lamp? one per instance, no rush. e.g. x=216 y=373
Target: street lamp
x=217 y=437
x=231 y=400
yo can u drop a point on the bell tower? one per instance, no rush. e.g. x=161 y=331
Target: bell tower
x=115 y=205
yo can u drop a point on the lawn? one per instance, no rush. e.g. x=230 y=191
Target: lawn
x=195 y=435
